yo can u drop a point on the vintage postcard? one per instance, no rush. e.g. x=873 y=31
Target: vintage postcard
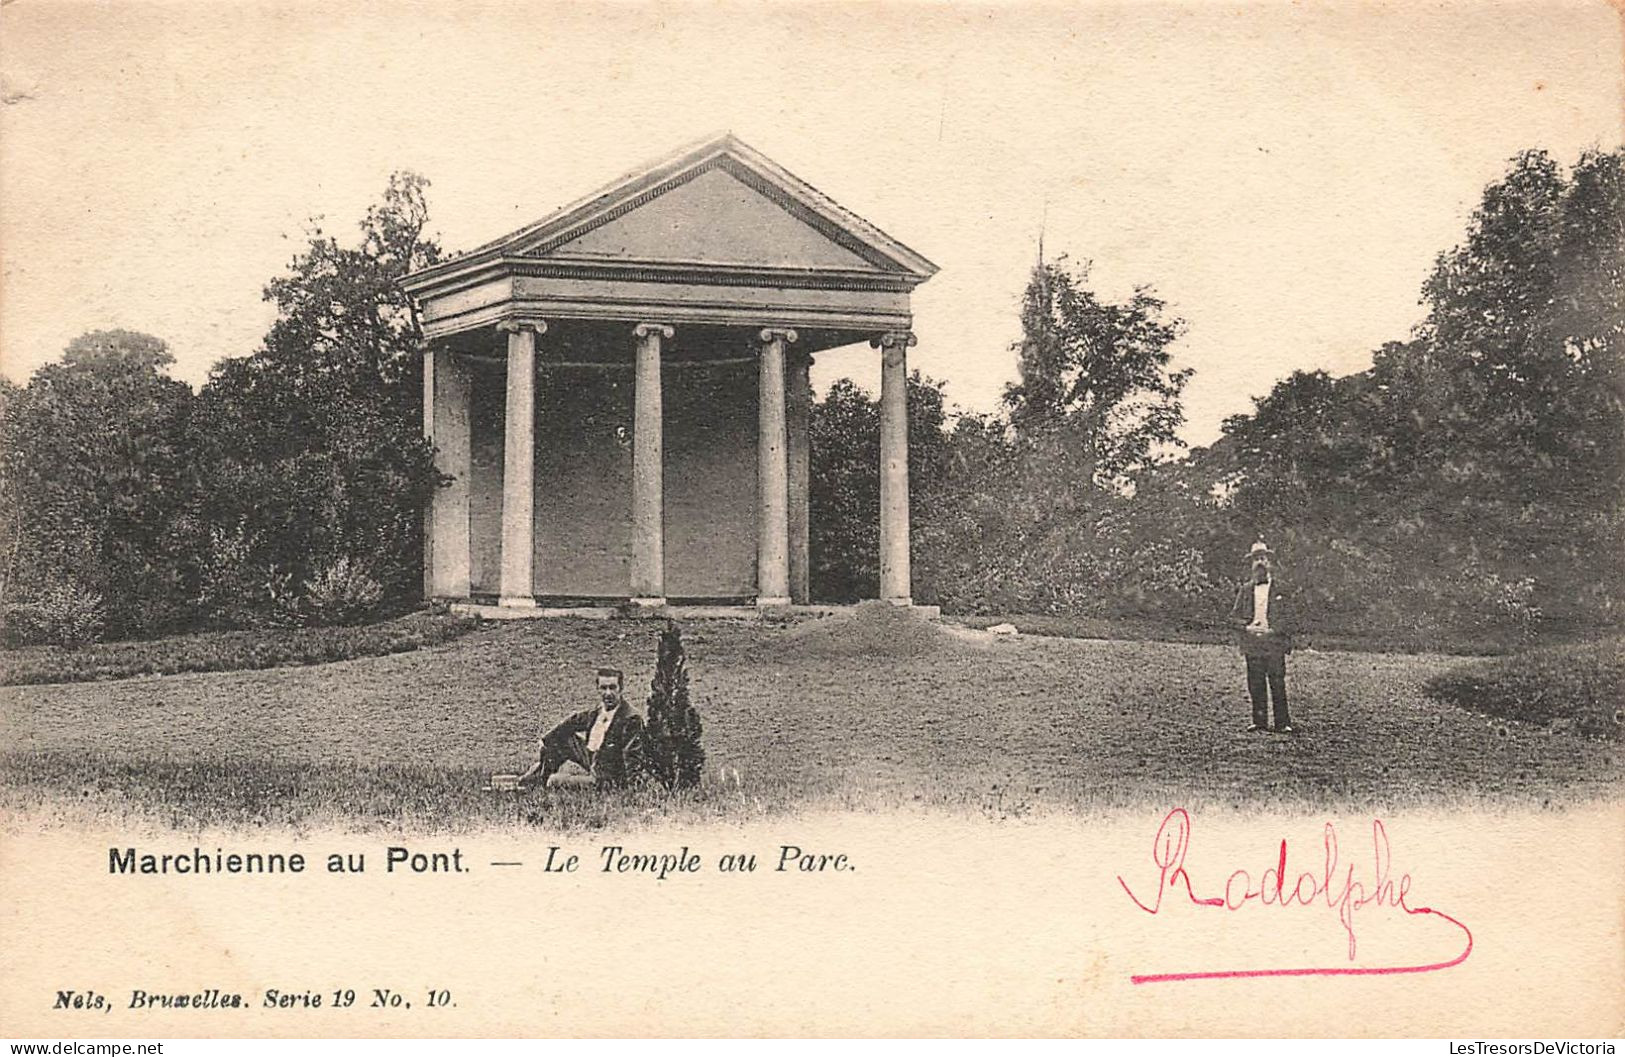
x=812 y=519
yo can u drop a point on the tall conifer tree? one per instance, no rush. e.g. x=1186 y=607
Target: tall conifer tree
x=676 y=756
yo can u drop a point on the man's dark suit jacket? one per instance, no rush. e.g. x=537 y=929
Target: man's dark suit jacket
x=1276 y=641
x=621 y=757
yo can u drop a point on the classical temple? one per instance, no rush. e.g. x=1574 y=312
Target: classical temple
x=619 y=392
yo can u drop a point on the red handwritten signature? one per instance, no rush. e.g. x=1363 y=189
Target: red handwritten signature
x=1340 y=894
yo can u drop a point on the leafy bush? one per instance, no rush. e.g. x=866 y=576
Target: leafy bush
x=60 y=614
x=236 y=591
x=224 y=651
x=1582 y=684
x=344 y=592
x=1501 y=601
x=94 y=476
x=24 y=625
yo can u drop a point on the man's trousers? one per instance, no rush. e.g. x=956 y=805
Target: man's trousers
x=1266 y=680
x=558 y=748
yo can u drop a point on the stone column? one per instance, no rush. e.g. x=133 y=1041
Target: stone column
x=772 y=474
x=428 y=435
x=895 y=584
x=445 y=425
x=798 y=420
x=518 y=465
x=648 y=470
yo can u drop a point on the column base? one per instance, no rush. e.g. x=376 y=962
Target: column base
x=906 y=600
x=648 y=603
x=516 y=602
x=773 y=602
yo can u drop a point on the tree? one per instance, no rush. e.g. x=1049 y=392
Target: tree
x=1095 y=383
x=12 y=469
x=672 y=735
x=342 y=316
x=313 y=446
x=96 y=474
x=1528 y=317
x=1036 y=513
x=1476 y=472
x=1526 y=320
x=844 y=491
x=1306 y=450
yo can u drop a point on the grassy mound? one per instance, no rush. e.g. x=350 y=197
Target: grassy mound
x=226 y=651
x=1582 y=685
x=870 y=629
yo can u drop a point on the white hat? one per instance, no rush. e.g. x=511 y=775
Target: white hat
x=1259 y=548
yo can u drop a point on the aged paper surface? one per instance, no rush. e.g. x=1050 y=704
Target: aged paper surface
x=970 y=132
x=947 y=926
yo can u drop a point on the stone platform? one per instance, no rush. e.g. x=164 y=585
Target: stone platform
x=638 y=611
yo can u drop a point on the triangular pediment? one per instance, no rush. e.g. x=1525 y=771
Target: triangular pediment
x=714 y=217
x=718 y=204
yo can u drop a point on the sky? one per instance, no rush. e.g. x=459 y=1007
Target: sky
x=1282 y=174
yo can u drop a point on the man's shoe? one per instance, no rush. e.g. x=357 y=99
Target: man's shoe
x=1286 y=729
x=1254 y=728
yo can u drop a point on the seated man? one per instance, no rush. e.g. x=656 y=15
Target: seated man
x=607 y=741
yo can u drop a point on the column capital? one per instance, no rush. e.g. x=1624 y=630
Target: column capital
x=644 y=330
x=894 y=339
x=515 y=326
x=784 y=334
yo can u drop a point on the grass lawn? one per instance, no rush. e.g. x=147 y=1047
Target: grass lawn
x=811 y=711
x=1207 y=630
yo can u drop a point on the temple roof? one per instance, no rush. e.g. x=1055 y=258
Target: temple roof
x=715 y=234
x=718 y=202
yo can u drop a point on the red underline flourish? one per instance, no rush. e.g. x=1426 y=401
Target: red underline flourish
x=1381 y=970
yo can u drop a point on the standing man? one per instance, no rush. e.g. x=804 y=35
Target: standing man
x=607 y=741
x=1264 y=638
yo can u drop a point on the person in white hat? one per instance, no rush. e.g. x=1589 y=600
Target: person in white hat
x=1264 y=638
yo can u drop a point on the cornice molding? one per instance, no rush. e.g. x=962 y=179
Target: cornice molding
x=855 y=320
x=709 y=274
x=690 y=273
